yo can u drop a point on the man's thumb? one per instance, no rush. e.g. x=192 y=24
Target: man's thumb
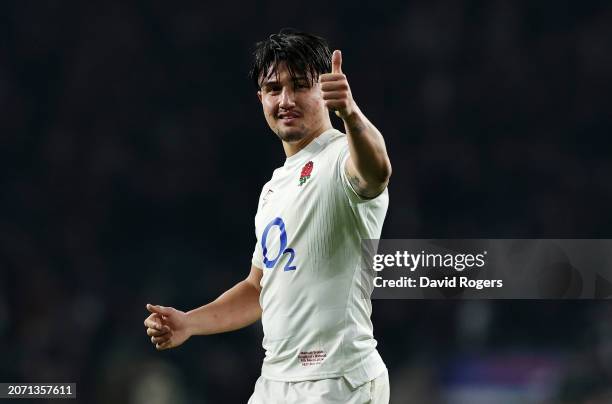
x=337 y=62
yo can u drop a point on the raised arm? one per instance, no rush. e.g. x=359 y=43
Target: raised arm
x=236 y=308
x=368 y=167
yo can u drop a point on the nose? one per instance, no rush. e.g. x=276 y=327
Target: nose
x=286 y=99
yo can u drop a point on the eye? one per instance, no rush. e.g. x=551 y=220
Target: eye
x=302 y=85
x=274 y=89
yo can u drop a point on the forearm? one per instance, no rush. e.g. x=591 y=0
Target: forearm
x=234 y=309
x=367 y=148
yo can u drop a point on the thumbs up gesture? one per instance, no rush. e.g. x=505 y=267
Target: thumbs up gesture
x=335 y=89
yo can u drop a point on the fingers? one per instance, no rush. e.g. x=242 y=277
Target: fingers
x=337 y=62
x=160 y=340
x=164 y=345
x=161 y=335
x=331 y=77
x=153 y=332
x=334 y=95
x=153 y=321
x=336 y=85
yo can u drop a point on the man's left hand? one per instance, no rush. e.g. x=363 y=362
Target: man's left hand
x=335 y=89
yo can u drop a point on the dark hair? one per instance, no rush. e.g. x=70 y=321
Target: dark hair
x=304 y=54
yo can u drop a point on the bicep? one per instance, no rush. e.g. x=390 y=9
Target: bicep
x=359 y=185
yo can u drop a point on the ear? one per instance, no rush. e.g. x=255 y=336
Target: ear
x=259 y=95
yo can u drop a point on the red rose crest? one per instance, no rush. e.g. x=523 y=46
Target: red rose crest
x=305 y=175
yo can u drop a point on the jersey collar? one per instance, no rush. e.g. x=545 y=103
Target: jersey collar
x=312 y=148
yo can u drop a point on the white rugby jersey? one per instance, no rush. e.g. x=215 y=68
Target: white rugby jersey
x=309 y=226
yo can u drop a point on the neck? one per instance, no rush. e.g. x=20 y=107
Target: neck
x=292 y=148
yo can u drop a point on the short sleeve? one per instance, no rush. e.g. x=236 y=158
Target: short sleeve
x=352 y=195
x=257 y=259
x=368 y=212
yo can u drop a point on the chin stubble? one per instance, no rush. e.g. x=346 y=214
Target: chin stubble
x=291 y=136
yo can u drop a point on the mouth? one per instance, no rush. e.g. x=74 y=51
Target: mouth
x=288 y=117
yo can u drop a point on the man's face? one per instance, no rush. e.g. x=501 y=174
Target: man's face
x=293 y=109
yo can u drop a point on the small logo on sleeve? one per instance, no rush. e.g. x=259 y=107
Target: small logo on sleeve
x=305 y=174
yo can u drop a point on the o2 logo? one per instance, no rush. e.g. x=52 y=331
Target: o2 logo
x=269 y=263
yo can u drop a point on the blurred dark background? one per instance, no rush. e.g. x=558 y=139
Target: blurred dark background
x=133 y=150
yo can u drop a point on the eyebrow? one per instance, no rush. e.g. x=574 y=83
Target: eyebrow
x=273 y=82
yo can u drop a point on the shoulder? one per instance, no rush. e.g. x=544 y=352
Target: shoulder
x=275 y=175
x=267 y=187
x=335 y=147
x=337 y=140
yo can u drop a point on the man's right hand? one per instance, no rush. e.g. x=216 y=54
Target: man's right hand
x=166 y=326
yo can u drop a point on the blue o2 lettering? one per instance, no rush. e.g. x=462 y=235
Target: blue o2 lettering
x=268 y=262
